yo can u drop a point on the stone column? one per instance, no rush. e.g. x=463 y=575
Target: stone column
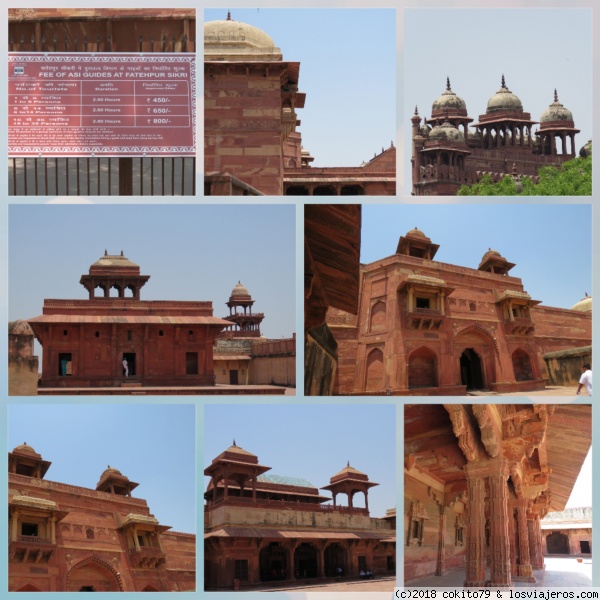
x=525 y=569
x=499 y=540
x=14 y=526
x=321 y=560
x=441 y=556
x=511 y=533
x=53 y=529
x=475 y=572
x=135 y=539
x=537 y=558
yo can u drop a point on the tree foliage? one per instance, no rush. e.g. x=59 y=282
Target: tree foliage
x=573 y=178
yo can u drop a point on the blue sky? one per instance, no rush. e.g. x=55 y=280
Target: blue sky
x=153 y=445
x=313 y=442
x=191 y=252
x=537 y=50
x=347 y=70
x=550 y=244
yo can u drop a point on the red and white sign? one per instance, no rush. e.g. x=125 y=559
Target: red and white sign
x=83 y=104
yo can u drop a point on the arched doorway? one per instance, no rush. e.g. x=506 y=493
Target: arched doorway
x=273 y=562
x=334 y=558
x=93 y=575
x=557 y=543
x=305 y=561
x=471 y=370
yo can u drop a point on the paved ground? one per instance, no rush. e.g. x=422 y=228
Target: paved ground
x=383 y=584
x=213 y=390
x=569 y=391
x=559 y=572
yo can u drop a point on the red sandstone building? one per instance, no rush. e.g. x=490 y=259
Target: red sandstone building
x=479 y=479
x=424 y=327
x=568 y=532
x=74 y=539
x=251 y=145
x=261 y=527
x=85 y=342
x=446 y=155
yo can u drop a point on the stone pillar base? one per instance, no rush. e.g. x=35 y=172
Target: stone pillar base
x=528 y=579
x=476 y=584
x=524 y=571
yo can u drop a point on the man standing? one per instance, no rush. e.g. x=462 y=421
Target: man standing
x=586 y=379
x=126 y=368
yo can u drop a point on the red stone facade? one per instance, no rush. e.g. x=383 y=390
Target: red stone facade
x=65 y=538
x=446 y=155
x=165 y=343
x=261 y=528
x=429 y=328
x=479 y=478
x=251 y=145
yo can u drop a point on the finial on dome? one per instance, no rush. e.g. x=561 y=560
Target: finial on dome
x=448 y=84
x=234 y=442
x=229 y=15
x=348 y=463
x=503 y=82
x=108 y=466
x=105 y=252
x=416 y=110
x=122 y=253
x=555 y=96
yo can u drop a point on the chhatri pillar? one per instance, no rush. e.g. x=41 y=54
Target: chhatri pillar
x=441 y=557
x=525 y=569
x=499 y=515
x=535 y=540
x=475 y=567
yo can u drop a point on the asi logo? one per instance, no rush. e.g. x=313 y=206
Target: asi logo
x=19 y=71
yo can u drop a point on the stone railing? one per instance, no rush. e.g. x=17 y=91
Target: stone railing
x=34 y=539
x=286 y=504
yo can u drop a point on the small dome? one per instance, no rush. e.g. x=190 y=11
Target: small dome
x=446 y=132
x=584 y=305
x=239 y=290
x=416 y=233
x=449 y=101
x=20 y=327
x=25 y=449
x=556 y=112
x=228 y=39
x=114 y=260
x=110 y=471
x=504 y=100
x=586 y=150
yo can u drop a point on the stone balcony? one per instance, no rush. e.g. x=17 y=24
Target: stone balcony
x=147 y=557
x=520 y=326
x=31 y=549
x=424 y=318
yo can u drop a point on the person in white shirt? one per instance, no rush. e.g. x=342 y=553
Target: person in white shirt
x=125 y=368
x=586 y=379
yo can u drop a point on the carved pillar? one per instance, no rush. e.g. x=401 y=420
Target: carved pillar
x=535 y=545
x=499 y=540
x=441 y=542
x=14 y=526
x=513 y=551
x=475 y=572
x=321 y=560
x=53 y=529
x=135 y=538
x=525 y=569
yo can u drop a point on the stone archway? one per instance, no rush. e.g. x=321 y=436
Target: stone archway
x=305 y=561
x=557 y=543
x=422 y=368
x=334 y=557
x=273 y=562
x=93 y=575
x=374 y=371
x=475 y=350
x=471 y=370
x=522 y=365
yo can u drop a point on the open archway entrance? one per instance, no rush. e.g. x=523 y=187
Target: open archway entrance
x=334 y=560
x=305 y=561
x=93 y=576
x=273 y=563
x=557 y=543
x=471 y=370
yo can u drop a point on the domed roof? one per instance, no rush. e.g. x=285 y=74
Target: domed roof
x=446 y=131
x=110 y=471
x=556 y=112
x=449 y=101
x=239 y=290
x=584 y=305
x=114 y=260
x=20 y=327
x=25 y=449
x=229 y=39
x=504 y=100
x=586 y=150
x=416 y=233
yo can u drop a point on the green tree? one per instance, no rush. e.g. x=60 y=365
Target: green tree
x=573 y=178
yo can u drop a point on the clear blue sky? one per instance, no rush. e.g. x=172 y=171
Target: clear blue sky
x=191 y=252
x=313 y=442
x=550 y=244
x=537 y=50
x=347 y=70
x=153 y=445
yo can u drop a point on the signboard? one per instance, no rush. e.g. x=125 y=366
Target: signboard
x=84 y=104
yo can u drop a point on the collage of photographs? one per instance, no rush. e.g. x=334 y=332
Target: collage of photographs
x=351 y=344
